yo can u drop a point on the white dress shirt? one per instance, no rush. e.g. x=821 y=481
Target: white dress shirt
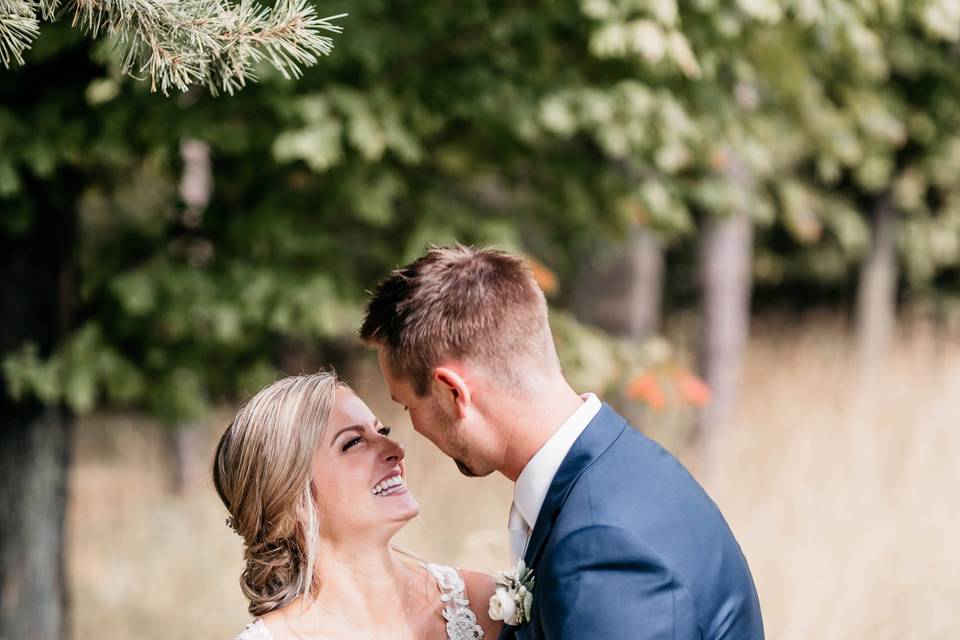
x=534 y=481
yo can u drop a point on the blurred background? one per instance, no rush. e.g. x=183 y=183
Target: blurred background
x=745 y=215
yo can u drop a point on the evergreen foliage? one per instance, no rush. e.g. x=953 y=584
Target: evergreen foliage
x=179 y=43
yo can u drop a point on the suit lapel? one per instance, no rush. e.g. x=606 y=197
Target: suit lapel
x=602 y=431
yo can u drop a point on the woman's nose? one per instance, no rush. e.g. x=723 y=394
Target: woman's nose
x=393 y=451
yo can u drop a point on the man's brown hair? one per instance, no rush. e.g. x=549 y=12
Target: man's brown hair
x=459 y=302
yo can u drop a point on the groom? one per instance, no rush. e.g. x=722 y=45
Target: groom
x=622 y=541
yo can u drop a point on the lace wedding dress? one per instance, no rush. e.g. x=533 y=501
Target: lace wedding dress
x=461 y=621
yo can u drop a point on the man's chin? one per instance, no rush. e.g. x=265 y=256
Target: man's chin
x=471 y=472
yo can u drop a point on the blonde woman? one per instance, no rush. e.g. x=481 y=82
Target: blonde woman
x=316 y=487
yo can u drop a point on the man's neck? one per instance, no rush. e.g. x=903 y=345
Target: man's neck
x=528 y=424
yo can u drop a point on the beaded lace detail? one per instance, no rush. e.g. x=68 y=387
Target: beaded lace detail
x=254 y=631
x=461 y=621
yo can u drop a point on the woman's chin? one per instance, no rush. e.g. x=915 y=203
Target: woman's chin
x=399 y=507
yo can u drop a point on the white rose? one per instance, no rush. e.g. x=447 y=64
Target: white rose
x=502 y=606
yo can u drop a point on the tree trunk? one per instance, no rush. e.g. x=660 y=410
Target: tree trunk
x=181 y=443
x=36 y=295
x=726 y=252
x=196 y=180
x=34 y=457
x=877 y=292
x=196 y=189
x=620 y=289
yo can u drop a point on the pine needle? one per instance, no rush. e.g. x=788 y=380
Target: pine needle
x=176 y=44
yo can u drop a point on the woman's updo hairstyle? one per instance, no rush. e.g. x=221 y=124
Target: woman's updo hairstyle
x=262 y=470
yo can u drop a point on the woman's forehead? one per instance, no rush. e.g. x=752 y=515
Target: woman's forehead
x=348 y=408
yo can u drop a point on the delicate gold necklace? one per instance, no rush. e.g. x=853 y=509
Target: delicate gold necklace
x=360 y=632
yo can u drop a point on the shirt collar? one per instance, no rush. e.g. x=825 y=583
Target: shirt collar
x=534 y=481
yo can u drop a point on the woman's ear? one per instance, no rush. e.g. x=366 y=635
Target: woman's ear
x=454 y=390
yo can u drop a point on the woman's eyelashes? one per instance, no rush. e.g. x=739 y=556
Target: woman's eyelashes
x=352 y=442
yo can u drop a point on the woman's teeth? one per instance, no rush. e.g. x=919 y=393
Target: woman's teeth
x=388 y=486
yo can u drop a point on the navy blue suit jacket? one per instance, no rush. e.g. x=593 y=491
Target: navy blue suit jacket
x=628 y=545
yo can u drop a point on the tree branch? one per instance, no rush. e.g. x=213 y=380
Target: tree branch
x=179 y=43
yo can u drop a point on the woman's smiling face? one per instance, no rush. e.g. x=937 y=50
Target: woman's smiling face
x=359 y=476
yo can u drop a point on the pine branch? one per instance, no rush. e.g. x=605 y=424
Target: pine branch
x=288 y=37
x=179 y=43
x=48 y=8
x=18 y=28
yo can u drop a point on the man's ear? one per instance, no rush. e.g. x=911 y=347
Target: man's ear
x=455 y=390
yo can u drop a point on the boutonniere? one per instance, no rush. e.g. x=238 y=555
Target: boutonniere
x=513 y=598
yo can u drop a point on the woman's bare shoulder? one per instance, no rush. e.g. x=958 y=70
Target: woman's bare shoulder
x=480 y=587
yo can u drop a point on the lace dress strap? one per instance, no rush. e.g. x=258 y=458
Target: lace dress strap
x=461 y=621
x=255 y=631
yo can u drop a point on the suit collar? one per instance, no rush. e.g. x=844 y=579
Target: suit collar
x=599 y=434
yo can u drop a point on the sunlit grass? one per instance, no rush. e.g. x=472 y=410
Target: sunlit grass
x=844 y=498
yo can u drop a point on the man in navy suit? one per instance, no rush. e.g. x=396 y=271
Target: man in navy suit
x=622 y=541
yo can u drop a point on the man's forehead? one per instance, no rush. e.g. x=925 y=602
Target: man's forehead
x=398 y=390
x=394 y=385
x=382 y=361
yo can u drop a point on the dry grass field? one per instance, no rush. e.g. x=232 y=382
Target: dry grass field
x=845 y=498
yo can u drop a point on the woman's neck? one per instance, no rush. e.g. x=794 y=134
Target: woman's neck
x=365 y=587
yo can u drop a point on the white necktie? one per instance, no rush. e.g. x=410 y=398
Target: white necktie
x=519 y=534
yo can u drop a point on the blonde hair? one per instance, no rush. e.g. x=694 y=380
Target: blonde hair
x=262 y=471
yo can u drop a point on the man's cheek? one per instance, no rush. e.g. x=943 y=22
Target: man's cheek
x=419 y=428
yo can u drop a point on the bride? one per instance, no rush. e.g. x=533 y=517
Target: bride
x=316 y=488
